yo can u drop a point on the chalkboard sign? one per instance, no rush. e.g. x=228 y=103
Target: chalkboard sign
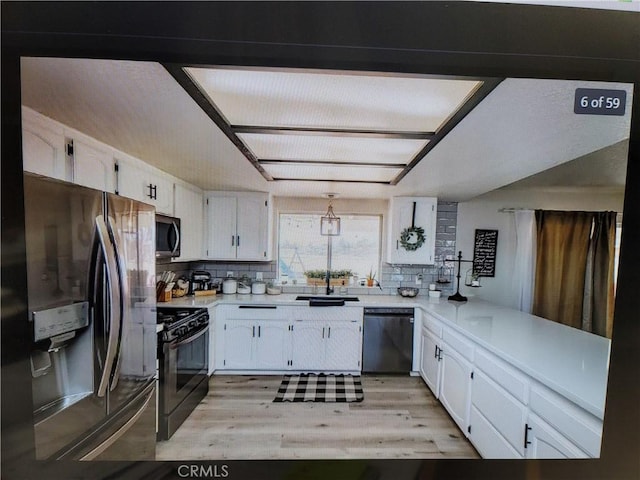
x=484 y=253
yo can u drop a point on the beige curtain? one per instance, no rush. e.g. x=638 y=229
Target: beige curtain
x=561 y=262
x=597 y=316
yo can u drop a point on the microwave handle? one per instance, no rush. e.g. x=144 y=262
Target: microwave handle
x=177 y=232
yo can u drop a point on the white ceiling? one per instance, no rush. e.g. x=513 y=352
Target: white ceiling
x=522 y=128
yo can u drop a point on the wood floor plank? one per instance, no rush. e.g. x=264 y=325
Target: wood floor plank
x=398 y=418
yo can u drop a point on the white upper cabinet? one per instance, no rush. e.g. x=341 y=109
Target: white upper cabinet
x=43 y=149
x=238 y=226
x=139 y=181
x=91 y=162
x=188 y=207
x=412 y=230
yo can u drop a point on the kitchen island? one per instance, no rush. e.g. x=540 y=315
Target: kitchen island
x=551 y=377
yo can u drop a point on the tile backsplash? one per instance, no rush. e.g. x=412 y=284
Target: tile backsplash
x=238 y=269
x=392 y=276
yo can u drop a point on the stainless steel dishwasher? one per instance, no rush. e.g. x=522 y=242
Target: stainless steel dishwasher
x=388 y=340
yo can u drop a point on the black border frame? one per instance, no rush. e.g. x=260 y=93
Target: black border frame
x=450 y=38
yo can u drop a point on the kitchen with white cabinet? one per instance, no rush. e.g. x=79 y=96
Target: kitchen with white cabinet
x=503 y=382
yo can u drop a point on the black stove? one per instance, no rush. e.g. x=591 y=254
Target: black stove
x=180 y=322
x=183 y=354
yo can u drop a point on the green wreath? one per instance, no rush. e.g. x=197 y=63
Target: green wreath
x=412 y=238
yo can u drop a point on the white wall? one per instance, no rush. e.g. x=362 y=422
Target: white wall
x=482 y=213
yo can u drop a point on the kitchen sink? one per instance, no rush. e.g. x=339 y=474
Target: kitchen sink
x=327 y=297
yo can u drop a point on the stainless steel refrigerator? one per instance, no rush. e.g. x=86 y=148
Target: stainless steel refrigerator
x=91 y=301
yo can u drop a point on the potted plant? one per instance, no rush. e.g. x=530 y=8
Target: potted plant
x=336 y=277
x=371 y=278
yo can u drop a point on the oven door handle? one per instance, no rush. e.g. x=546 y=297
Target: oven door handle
x=189 y=339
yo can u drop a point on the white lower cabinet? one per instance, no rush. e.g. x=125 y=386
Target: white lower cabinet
x=272 y=339
x=344 y=345
x=253 y=345
x=486 y=439
x=455 y=386
x=429 y=363
x=447 y=370
x=546 y=442
x=495 y=407
x=330 y=346
x=272 y=345
x=308 y=345
x=504 y=412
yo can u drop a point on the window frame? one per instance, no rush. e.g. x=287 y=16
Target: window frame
x=381 y=233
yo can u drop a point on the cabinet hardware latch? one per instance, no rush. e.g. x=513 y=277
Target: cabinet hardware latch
x=471 y=375
x=153 y=195
x=469 y=429
x=526 y=435
x=70 y=148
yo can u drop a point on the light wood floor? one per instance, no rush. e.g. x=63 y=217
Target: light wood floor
x=398 y=418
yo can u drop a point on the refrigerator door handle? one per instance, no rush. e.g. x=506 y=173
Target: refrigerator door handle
x=114 y=302
x=120 y=432
x=124 y=299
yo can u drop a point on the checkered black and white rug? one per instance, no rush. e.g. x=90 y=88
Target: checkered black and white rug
x=311 y=387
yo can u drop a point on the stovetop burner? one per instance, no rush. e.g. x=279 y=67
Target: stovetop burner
x=180 y=322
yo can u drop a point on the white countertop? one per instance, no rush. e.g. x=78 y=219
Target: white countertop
x=571 y=362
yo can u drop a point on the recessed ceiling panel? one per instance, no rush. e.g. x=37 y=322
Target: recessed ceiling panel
x=343 y=100
x=276 y=116
x=336 y=173
x=333 y=148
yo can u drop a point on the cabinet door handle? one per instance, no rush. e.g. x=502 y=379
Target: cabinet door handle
x=233 y=240
x=397 y=244
x=322 y=332
x=254 y=331
x=238 y=241
x=435 y=355
x=329 y=334
x=526 y=435
x=258 y=331
x=439 y=354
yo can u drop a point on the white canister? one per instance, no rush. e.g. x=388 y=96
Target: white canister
x=229 y=285
x=258 y=288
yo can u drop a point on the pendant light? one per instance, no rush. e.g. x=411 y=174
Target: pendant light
x=329 y=223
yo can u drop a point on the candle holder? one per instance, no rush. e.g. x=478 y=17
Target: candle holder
x=458 y=297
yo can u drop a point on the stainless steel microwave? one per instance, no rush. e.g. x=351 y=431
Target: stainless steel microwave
x=167 y=236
